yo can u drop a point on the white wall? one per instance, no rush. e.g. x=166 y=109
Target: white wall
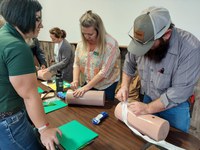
x=117 y=15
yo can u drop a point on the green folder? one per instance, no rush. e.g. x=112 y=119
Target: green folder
x=66 y=84
x=40 y=91
x=54 y=105
x=75 y=135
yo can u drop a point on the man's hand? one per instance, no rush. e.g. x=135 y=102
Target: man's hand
x=138 y=108
x=122 y=94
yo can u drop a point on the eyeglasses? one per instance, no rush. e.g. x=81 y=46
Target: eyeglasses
x=147 y=41
x=38 y=19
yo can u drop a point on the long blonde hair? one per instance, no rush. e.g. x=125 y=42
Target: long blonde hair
x=90 y=19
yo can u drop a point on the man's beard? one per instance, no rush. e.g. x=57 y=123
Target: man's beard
x=158 y=53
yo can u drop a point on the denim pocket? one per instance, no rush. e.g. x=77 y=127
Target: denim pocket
x=13 y=130
x=15 y=118
x=18 y=133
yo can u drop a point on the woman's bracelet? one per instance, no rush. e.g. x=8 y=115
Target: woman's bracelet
x=43 y=127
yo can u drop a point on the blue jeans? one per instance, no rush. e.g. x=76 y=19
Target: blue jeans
x=16 y=133
x=178 y=117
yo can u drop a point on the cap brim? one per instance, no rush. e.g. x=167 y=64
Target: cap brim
x=138 y=49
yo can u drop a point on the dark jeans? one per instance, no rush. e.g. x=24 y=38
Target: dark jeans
x=109 y=91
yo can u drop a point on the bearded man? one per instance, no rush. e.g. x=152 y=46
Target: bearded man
x=168 y=64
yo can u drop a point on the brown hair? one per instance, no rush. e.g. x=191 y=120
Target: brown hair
x=58 y=32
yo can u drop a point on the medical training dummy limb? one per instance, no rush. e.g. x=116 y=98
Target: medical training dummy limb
x=150 y=125
x=91 y=97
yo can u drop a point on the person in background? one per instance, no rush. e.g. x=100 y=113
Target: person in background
x=18 y=82
x=63 y=55
x=96 y=58
x=167 y=59
x=37 y=52
x=35 y=47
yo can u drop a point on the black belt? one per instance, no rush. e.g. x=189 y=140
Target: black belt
x=9 y=113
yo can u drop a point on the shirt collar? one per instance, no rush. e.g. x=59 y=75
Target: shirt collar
x=13 y=31
x=172 y=42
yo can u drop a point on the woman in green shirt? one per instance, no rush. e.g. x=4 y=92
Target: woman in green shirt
x=18 y=82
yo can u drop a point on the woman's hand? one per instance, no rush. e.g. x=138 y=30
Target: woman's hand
x=49 y=139
x=37 y=68
x=45 y=70
x=80 y=91
x=74 y=85
x=43 y=67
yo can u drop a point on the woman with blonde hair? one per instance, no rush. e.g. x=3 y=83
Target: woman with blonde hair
x=96 y=58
